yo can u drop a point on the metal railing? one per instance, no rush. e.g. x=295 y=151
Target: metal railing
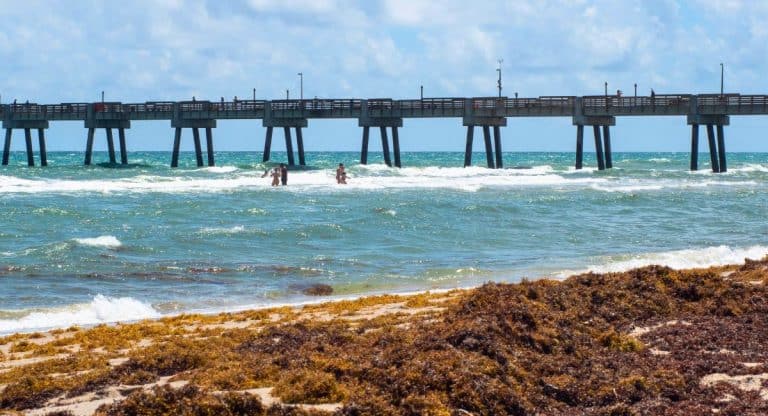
x=662 y=104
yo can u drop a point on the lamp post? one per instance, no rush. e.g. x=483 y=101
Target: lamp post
x=499 y=71
x=102 y=97
x=721 y=77
x=422 y=92
x=635 y=90
x=287 y=95
x=606 y=88
x=301 y=85
x=254 y=94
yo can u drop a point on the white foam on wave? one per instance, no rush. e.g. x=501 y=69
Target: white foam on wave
x=102 y=309
x=634 y=185
x=749 y=168
x=367 y=177
x=678 y=259
x=223 y=230
x=105 y=241
x=219 y=169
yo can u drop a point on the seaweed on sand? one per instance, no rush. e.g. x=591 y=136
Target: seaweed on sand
x=639 y=342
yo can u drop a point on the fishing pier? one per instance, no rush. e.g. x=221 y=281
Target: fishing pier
x=490 y=113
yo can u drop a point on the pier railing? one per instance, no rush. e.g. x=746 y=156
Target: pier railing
x=561 y=106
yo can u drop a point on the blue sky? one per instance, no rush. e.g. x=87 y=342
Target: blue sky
x=65 y=51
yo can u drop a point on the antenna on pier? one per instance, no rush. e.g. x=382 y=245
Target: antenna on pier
x=499 y=71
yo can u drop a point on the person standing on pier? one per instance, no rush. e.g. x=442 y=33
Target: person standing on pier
x=283 y=174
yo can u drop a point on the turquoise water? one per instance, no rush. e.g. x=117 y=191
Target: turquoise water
x=81 y=245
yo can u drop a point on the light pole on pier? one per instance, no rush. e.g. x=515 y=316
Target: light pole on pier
x=301 y=85
x=606 y=88
x=287 y=95
x=635 y=90
x=422 y=92
x=722 y=71
x=499 y=71
x=254 y=94
x=102 y=97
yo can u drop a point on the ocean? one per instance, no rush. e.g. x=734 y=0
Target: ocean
x=87 y=245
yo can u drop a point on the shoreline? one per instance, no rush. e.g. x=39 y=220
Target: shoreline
x=679 y=261
x=642 y=332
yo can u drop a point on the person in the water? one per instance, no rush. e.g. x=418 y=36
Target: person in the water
x=283 y=174
x=341 y=175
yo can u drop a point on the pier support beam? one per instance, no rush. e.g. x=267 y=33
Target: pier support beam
x=607 y=147
x=712 y=148
x=41 y=143
x=28 y=140
x=599 y=148
x=721 y=148
x=488 y=147
x=300 y=146
x=289 y=145
x=267 y=145
x=209 y=146
x=89 y=147
x=497 y=144
x=603 y=151
x=382 y=124
x=468 y=149
x=198 y=147
x=579 y=146
x=396 y=146
x=287 y=124
x=7 y=146
x=385 y=146
x=111 y=147
x=123 y=148
x=364 y=150
x=107 y=125
x=716 y=144
x=27 y=125
x=493 y=154
x=176 y=145
x=195 y=124
x=694 y=146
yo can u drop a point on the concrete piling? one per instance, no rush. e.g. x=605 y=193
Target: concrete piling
x=468 y=150
x=289 y=145
x=712 y=148
x=267 y=144
x=364 y=150
x=497 y=143
x=28 y=140
x=209 y=145
x=385 y=145
x=598 y=148
x=579 y=146
x=41 y=143
x=300 y=146
x=694 y=147
x=488 y=147
x=123 y=147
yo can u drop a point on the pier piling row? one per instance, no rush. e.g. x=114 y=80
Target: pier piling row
x=382 y=123
x=27 y=126
x=490 y=113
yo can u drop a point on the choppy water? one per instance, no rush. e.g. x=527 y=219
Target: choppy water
x=82 y=245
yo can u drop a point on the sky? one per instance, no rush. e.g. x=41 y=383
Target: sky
x=149 y=50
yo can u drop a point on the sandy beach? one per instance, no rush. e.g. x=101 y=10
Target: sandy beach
x=648 y=341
